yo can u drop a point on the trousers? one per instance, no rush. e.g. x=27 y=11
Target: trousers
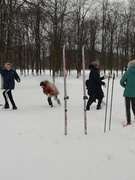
x=8 y=94
x=129 y=102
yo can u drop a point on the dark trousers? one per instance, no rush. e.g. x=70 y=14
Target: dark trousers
x=8 y=94
x=129 y=101
x=49 y=101
x=92 y=99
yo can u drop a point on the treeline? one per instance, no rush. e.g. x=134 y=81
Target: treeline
x=33 y=33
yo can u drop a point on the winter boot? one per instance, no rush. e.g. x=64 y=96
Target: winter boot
x=58 y=101
x=127 y=124
x=6 y=106
x=99 y=107
x=14 y=108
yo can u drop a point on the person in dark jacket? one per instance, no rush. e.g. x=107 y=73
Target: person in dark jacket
x=94 y=86
x=128 y=83
x=9 y=76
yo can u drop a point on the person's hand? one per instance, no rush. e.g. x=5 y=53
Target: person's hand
x=18 y=80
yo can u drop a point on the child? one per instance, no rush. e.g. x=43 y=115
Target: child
x=9 y=76
x=94 y=86
x=51 y=91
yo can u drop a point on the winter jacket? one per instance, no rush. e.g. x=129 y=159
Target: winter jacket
x=128 y=82
x=9 y=78
x=95 y=82
x=50 y=89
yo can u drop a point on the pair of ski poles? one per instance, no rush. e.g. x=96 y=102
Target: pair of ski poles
x=111 y=100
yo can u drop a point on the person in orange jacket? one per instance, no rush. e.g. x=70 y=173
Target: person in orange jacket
x=51 y=91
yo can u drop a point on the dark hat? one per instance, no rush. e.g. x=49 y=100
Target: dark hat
x=41 y=83
x=44 y=83
x=94 y=64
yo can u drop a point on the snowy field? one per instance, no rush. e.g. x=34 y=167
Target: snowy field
x=33 y=145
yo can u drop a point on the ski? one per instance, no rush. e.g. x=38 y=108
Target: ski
x=84 y=92
x=65 y=91
x=1 y=105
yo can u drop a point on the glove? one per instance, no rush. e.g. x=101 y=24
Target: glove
x=18 y=80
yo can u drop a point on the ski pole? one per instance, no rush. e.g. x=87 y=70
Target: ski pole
x=65 y=91
x=106 y=101
x=113 y=78
x=84 y=92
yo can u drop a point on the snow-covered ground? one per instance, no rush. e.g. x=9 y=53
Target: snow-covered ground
x=33 y=145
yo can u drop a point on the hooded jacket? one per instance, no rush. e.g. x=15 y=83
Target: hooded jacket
x=128 y=82
x=9 y=78
x=50 y=89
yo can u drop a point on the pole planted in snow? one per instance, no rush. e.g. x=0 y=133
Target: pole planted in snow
x=65 y=91
x=106 y=108
x=113 y=78
x=84 y=92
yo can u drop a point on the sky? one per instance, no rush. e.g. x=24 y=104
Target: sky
x=33 y=144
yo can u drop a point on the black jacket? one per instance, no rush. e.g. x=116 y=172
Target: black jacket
x=95 y=81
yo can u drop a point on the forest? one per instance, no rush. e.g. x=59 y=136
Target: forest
x=34 y=32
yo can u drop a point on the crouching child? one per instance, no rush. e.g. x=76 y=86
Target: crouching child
x=51 y=91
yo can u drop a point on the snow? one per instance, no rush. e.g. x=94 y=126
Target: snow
x=33 y=145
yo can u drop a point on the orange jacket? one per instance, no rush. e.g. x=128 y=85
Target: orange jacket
x=50 y=89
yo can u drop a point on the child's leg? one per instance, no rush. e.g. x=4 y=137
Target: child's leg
x=11 y=99
x=56 y=99
x=6 y=99
x=50 y=101
x=99 y=102
x=90 y=101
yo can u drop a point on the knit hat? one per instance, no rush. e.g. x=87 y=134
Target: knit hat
x=131 y=63
x=94 y=64
x=8 y=64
